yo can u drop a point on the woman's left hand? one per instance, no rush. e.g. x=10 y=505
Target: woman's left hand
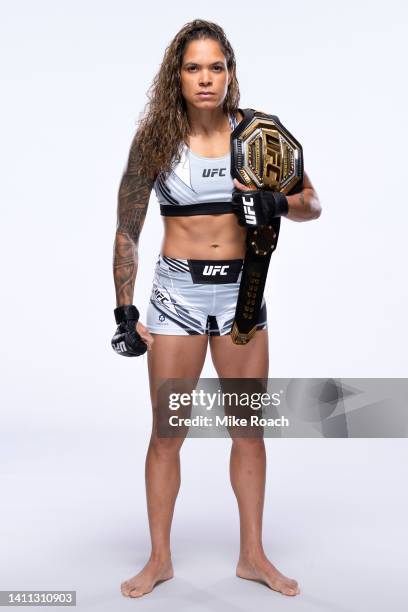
x=243 y=187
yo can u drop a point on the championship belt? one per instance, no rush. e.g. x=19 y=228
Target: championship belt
x=264 y=155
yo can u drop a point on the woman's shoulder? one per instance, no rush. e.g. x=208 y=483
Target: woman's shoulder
x=246 y=114
x=242 y=112
x=179 y=159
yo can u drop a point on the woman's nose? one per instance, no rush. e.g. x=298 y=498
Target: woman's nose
x=205 y=78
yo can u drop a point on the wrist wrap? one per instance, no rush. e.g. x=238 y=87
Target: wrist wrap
x=126 y=313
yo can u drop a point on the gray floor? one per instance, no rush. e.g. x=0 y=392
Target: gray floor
x=74 y=518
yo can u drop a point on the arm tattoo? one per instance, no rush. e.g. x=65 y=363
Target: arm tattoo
x=134 y=193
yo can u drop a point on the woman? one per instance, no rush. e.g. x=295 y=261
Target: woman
x=182 y=149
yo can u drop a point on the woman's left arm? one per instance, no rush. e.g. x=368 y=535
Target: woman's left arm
x=305 y=205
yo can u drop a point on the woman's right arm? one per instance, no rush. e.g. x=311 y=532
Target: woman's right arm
x=133 y=198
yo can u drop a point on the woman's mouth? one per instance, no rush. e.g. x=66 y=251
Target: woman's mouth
x=205 y=94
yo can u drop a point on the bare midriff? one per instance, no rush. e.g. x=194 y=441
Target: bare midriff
x=204 y=237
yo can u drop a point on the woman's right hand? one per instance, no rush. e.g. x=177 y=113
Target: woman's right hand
x=131 y=338
x=145 y=334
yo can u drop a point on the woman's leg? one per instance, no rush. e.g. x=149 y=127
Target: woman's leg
x=170 y=357
x=248 y=463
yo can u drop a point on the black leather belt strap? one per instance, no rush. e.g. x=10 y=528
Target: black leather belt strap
x=261 y=243
x=264 y=155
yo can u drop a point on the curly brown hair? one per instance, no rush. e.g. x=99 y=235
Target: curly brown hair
x=164 y=125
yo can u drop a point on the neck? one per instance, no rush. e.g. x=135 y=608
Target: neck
x=205 y=122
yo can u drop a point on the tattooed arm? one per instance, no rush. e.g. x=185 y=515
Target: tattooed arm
x=134 y=193
x=305 y=205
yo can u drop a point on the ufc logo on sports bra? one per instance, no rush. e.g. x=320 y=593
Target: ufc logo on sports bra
x=211 y=172
x=213 y=270
x=249 y=212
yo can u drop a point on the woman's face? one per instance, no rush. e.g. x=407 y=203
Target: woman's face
x=204 y=74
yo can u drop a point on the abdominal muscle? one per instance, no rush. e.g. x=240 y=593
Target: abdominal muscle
x=204 y=237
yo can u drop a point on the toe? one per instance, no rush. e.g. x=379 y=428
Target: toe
x=134 y=593
x=125 y=587
x=292 y=589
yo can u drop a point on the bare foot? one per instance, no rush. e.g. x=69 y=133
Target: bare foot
x=261 y=569
x=153 y=572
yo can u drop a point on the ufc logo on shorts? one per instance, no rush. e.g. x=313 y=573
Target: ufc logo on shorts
x=210 y=172
x=213 y=270
x=160 y=297
x=249 y=212
x=120 y=347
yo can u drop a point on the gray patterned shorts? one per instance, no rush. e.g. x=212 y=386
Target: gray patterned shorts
x=191 y=297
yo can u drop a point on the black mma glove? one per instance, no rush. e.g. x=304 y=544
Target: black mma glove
x=127 y=340
x=256 y=208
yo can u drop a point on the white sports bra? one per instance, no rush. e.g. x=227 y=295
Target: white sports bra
x=196 y=185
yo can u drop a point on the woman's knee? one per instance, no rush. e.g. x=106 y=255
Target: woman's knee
x=249 y=445
x=165 y=447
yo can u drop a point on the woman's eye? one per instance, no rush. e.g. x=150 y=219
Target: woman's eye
x=216 y=68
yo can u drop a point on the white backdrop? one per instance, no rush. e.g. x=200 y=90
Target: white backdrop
x=75 y=415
